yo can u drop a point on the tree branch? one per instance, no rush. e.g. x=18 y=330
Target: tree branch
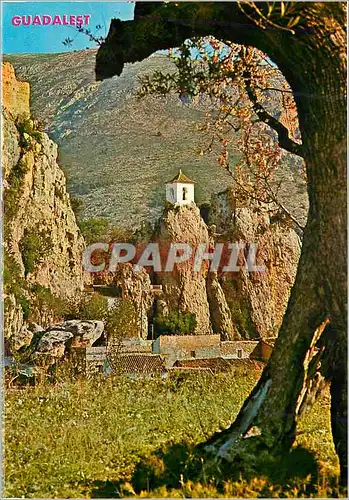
x=284 y=139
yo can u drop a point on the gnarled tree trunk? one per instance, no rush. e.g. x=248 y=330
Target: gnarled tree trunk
x=313 y=60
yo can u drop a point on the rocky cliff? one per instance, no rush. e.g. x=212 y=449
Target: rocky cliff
x=238 y=304
x=257 y=300
x=184 y=289
x=43 y=245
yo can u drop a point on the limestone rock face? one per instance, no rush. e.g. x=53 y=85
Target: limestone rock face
x=40 y=230
x=52 y=345
x=13 y=320
x=43 y=207
x=23 y=337
x=257 y=300
x=184 y=289
x=85 y=333
x=15 y=94
x=221 y=317
x=136 y=287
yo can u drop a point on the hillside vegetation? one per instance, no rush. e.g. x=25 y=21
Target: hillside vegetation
x=118 y=151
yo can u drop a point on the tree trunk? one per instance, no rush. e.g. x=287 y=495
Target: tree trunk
x=313 y=60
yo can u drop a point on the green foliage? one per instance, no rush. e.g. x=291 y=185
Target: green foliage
x=15 y=284
x=77 y=205
x=121 y=322
x=242 y=320
x=94 y=230
x=13 y=192
x=27 y=126
x=115 y=437
x=90 y=307
x=168 y=205
x=185 y=80
x=97 y=230
x=37 y=302
x=45 y=304
x=175 y=323
x=33 y=247
x=142 y=233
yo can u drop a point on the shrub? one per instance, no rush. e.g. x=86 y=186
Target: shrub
x=14 y=191
x=46 y=306
x=122 y=322
x=175 y=323
x=77 y=205
x=242 y=320
x=27 y=126
x=92 y=307
x=15 y=284
x=168 y=205
x=33 y=247
x=101 y=230
x=94 y=230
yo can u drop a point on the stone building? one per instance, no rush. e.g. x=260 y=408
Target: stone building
x=240 y=349
x=176 y=347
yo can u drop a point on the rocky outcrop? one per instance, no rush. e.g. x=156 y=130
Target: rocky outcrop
x=46 y=346
x=136 y=287
x=183 y=289
x=42 y=241
x=15 y=94
x=85 y=333
x=52 y=346
x=220 y=313
x=257 y=300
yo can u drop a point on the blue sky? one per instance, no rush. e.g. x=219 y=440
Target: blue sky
x=44 y=39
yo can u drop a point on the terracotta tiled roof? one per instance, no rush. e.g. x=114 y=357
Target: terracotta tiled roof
x=213 y=364
x=180 y=177
x=218 y=364
x=252 y=364
x=139 y=364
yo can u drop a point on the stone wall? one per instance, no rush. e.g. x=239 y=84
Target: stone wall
x=175 y=347
x=136 y=346
x=247 y=348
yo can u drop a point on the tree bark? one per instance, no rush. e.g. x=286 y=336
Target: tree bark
x=313 y=60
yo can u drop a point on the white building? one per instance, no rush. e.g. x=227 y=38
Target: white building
x=180 y=191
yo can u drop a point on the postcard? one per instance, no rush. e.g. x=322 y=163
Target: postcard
x=174 y=249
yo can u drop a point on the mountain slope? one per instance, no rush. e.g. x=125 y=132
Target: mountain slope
x=118 y=151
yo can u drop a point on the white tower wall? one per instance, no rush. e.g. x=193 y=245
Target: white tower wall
x=180 y=193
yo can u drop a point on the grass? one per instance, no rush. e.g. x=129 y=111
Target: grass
x=112 y=437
